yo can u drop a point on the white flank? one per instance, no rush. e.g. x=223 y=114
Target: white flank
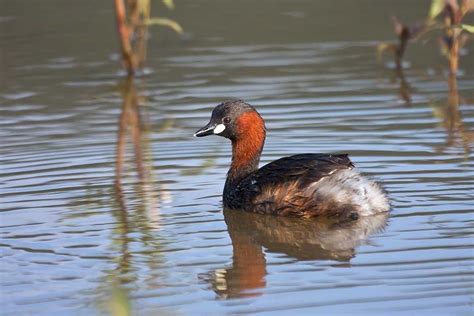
x=348 y=187
x=219 y=129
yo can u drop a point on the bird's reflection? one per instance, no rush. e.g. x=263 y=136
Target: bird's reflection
x=303 y=239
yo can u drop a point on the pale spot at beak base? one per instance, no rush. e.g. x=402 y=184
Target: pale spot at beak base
x=219 y=129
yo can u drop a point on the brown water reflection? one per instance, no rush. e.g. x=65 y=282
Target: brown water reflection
x=137 y=210
x=132 y=125
x=451 y=118
x=253 y=235
x=405 y=90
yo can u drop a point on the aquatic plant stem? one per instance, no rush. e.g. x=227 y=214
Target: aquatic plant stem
x=124 y=36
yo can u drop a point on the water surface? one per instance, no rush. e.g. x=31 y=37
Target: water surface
x=106 y=199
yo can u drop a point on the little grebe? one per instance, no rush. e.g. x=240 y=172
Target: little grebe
x=304 y=185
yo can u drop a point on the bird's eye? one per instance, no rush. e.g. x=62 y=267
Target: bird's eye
x=226 y=120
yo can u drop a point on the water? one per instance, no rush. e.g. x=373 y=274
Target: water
x=107 y=205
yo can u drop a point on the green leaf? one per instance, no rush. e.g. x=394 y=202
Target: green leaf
x=436 y=8
x=169 y=4
x=166 y=22
x=467 y=27
x=144 y=7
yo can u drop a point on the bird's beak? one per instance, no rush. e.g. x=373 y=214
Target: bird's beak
x=206 y=130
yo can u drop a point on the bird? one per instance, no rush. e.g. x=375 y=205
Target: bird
x=302 y=185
